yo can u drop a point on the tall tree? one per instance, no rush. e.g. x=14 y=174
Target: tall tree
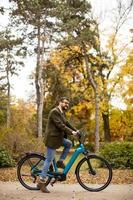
x=36 y=15
x=80 y=29
x=66 y=76
x=111 y=58
x=10 y=52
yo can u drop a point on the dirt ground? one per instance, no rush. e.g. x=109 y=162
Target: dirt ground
x=14 y=191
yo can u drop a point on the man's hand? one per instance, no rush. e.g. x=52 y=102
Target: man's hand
x=77 y=134
x=74 y=133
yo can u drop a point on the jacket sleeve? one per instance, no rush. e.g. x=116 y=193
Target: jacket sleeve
x=70 y=126
x=56 y=117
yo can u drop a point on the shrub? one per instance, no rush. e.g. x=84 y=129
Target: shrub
x=5 y=158
x=119 y=154
x=90 y=146
x=18 y=143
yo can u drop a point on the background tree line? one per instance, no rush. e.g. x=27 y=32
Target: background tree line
x=71 y=61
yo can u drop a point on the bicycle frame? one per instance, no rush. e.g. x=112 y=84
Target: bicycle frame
x=77 y=152
x=91 y=168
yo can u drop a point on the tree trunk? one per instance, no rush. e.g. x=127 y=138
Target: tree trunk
x=97 y=138
x=95 y=88
x=8 y=104
x=107 y=136
x=105 y=111
x=40 y=111
x=39 y=86
x=8 y=119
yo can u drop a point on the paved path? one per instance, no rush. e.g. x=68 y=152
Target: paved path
x=14 y=191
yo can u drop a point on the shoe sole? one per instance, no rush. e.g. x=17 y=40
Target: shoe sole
x=44 y=189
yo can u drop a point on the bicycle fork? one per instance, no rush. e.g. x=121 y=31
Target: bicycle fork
x=91 y=170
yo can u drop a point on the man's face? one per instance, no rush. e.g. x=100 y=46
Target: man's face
x=64 y=104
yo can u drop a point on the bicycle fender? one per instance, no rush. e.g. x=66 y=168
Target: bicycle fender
x=34 y=153
x=29 y=154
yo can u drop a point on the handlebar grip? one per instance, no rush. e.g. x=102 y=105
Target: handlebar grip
x=79 y=134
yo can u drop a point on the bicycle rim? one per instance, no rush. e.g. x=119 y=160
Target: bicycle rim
x=28 y=170
x=95 y=176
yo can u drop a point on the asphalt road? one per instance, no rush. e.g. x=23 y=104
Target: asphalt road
x=14 y=191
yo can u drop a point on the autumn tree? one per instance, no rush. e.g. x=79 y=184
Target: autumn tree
x=66 y=76
x=20 y=137
x=35 y=14
x=11 y=53
x=127 y=79
x=111 y=58
x=123 y=131
x=79 y=29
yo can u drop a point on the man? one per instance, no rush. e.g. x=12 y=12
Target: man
x=57 y=129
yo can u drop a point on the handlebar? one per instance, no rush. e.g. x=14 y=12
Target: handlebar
x=81 y=136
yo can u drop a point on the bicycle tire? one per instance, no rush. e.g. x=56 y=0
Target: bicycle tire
x=25 y=176
x=95 y=181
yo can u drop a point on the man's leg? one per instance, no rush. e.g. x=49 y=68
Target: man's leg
x=49 y=158
x=67 y=146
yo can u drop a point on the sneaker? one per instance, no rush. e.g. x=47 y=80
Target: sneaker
x=60 y=164
x=42 y=185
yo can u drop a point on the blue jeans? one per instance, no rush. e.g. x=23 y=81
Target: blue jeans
x=51 y=154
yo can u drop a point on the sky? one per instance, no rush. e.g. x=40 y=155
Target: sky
x=22 y=85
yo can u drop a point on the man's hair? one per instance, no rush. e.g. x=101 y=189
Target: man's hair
x=62 y=99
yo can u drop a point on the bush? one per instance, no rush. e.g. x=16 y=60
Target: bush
x=119 y=154
x=90 y=146
x=5 y=158
x=18 y=143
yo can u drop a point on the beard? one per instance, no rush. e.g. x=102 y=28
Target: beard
x=65 y=108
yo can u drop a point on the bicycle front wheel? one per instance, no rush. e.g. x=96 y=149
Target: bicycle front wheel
x=94 y=173
x=29 y=167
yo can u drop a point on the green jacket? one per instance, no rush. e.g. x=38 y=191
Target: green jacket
x=57 y=126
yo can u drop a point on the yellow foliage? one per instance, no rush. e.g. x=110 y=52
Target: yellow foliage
x=82 y=108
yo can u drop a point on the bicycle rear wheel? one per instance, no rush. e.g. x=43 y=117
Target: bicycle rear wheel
x=94 y=173
x=29 y=167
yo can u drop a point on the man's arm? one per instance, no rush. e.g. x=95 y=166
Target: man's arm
x=70 y=126
x=56 y=117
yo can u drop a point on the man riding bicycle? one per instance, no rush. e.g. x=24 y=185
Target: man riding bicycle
x=57 y=129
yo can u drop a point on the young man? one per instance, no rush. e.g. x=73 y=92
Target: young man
x=57 y=129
